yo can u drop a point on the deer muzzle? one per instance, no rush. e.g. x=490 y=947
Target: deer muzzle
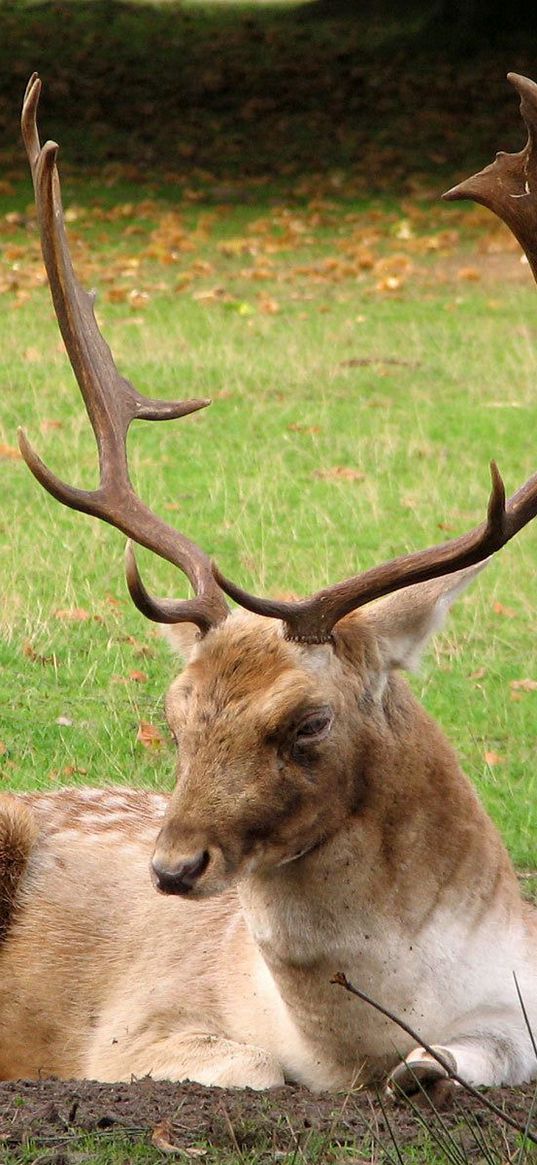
x=181 y=877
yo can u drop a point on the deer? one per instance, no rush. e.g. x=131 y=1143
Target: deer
x=320 y=823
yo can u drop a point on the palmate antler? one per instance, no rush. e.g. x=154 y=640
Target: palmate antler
x=509 y=185
x=112 y=403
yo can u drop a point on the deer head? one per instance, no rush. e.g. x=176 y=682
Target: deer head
x=279 y=741
x=279 y=704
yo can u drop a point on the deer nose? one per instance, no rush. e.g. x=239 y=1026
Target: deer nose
x=181 y=878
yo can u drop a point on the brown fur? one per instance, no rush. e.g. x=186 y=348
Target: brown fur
x=18 y=833
x=356 y=846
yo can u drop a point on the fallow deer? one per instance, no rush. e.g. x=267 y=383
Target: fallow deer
x=320 y=821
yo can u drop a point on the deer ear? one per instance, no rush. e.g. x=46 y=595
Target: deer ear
x=403 y=622
x=182 y=637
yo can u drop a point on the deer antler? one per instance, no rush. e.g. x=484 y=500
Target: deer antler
x=507 y=187
x=112 y=403
x=313 y=620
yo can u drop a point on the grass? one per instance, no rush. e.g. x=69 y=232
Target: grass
x=437 y=1141
x=353 y=419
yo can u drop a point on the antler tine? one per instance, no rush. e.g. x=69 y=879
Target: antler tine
x=312 y=620
x=508 y=186
x=111 y=402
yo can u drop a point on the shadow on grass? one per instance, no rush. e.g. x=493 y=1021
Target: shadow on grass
x=265 y=95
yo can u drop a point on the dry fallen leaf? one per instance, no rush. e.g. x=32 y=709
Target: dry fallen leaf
x=34 y=655
x=339 y=473
x=212 y=295
x=507 y=612
x=492 y=758
x=46 y=425
x=295 y=427
x=390 y=283
x=469 y=274
x=139 y=648
x=138 y=299
x=74 y=614
x=478 y=675
x=117 y=294
x=160 y=1138
x=148 y=735
x=10 y=453
x=268 y=305
x=33 y=355
x=232 y=247
x=112 y=601
x=395 y=264
x=139 y=677
x=523 y=685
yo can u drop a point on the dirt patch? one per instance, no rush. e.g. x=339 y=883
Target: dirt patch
x=55 y=1113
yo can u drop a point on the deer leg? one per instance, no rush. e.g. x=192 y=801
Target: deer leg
x=200 y=1056
x=497 y=1052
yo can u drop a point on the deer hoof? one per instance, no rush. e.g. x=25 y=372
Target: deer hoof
x=423 y=1074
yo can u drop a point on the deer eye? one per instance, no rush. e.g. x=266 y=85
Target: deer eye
x=313 y=728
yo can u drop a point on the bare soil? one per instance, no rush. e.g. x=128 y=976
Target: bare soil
x=55 y=1113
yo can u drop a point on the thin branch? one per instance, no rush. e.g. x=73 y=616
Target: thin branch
x=457 y=1153
x=531 y=1034
x=341 y=980
x=525 y=1014
x=448 y=1146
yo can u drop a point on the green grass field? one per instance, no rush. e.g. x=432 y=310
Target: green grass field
x=364 y=367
